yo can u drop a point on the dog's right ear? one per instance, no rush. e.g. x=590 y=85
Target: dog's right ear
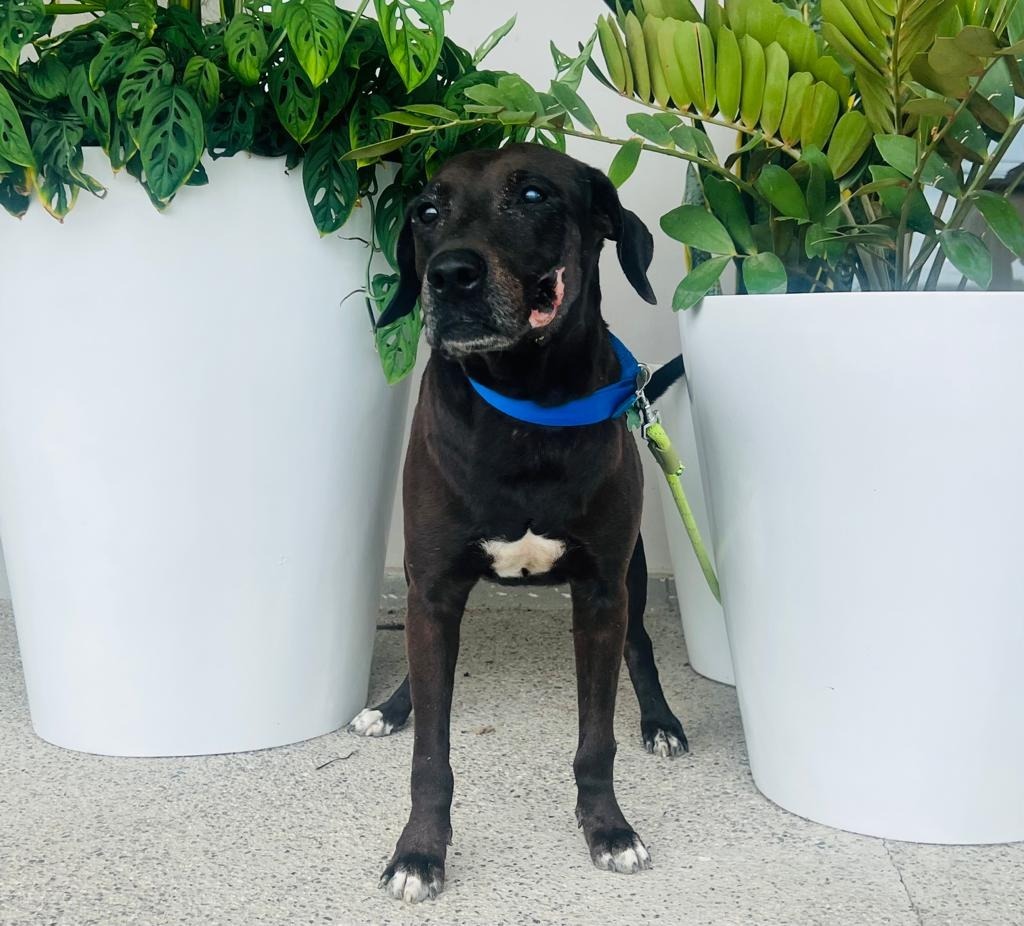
x=408 y=292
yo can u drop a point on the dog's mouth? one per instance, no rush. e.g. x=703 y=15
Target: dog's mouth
x=550 y=293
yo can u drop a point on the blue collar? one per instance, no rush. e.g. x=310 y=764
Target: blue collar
x=606 y=403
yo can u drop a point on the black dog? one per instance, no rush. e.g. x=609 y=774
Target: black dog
x=502 y=251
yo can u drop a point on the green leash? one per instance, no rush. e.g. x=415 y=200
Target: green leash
x=672 y=466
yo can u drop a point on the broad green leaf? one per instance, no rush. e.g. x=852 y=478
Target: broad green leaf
x=20 y=20
x=894 y=197
x=12 y=195
x=112 y=58
x=650 y=128
x=147 y=72
x=699 y=282
x=783 y=192
x=820 y=189
x=331 y=182
x=388 y=217
x=902 y=153
x=202 y=80
x=820 y=111
x=764 y=273
x=246 y=48
x=490 y=43
x=693 y=141
x=727 y=204
x=697 y=228
x=14 y=146
x=364 y=126
x=850 y=139
x=977 y=41
x=625 y=161
x=411 y=120
x=433 y=111
x=295 y=98
x=171 y=140
x=413 y=32
x=969 y=255
x=317 y=36
x=48 y=79
x=948 y=59
x=517 y=95
x=398 y=342
x=233 y=125
x=574 y=105
x=372 y=152
x=1004 y=220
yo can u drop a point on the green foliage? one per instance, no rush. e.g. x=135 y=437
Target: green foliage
x=160 y=91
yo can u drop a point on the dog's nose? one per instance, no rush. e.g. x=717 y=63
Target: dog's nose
x=458 y=272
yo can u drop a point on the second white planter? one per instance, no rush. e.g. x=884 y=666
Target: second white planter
x=863 y=457
x=198 y=455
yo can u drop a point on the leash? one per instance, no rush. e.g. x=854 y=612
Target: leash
x=660 y=445
x=625 y=397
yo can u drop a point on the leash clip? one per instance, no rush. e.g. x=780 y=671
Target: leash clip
x=648 y=413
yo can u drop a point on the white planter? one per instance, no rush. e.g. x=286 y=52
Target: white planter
x=863 y=457
x=707 y=644
x=198 y=456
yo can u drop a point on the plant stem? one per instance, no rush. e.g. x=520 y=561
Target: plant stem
x=73 y=9
x=681 y=155
x=356 y=17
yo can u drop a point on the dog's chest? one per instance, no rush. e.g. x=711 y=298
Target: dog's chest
x=530 y=555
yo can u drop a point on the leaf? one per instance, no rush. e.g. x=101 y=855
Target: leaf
x=625 y=161
x=202 y=80
x=850 y=139
x=725 y=200
x=20 y=20
x=488 y=45
x=650 y=128
x=894 y=198
x=316 y=35
x=90 y=105
x=147 y=72
x=764 y=273
x=574 y=105
x=171 y=140
x=729 y=76
x=112 y=59
x=697 y=228
x=929 y=106
x=398 y=342
x=950 y=60
x=752 y=84
x=977 y=41
x=820 y=111
x=775 y=86
x=364 y=126
x=14 y=146
x=432 y=110
x=233 y=124
x=373 y=152
x=388 y=218
x=969 y=255
x=699 y=282
x=295 y=99
x=780 y=189
x=694 y=141
x=413 y=32
x=1004 y=220
x=901 y=152
x=331 y=181
x=246 y=48
x=48 y=79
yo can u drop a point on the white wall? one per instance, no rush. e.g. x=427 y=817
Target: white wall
x=656 y=187
x=5 y=592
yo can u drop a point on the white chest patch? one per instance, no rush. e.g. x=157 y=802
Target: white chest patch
x=530 y=555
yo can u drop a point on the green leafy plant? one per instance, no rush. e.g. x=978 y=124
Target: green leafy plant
x=869 y=131
x=158 y=89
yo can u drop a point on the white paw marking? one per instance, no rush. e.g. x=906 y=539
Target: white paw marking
x=410 y=887
x=626 y=861
x=369 y=722
x=666 y=745
x=531 y=554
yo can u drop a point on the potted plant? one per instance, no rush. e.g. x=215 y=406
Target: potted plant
x=197 y=450
x=856 y=420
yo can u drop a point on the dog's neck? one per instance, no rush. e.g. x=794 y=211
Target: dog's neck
x=577 y=360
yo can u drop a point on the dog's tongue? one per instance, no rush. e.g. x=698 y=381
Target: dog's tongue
x=540 y=318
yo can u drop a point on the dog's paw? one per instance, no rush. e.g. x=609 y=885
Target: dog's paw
x=664 y=739
x=619 y=850
x=413 y=878
x=370 y=722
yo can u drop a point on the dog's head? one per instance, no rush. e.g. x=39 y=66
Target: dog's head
x=500 y=246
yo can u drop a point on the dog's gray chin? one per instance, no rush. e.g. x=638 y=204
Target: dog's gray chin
x=465 y=347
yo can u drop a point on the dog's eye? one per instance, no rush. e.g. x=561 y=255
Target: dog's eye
x=428 y=213
x=532 y=194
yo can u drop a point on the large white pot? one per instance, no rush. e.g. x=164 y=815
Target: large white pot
x=198 y=457
x=863 y=456
x=707 y=644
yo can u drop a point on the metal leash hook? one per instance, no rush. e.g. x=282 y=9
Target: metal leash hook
x=663 y=451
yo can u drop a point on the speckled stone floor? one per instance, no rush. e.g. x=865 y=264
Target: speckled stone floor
x=280 y=837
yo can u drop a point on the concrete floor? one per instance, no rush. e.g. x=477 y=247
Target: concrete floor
x=278 y=837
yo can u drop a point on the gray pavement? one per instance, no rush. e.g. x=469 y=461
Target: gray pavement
x=278 y=837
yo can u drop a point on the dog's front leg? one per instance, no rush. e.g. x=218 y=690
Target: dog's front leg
x=599 y=620
x=416 y=870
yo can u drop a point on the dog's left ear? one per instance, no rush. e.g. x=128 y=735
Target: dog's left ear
x=633 y=241
x=404 y=300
